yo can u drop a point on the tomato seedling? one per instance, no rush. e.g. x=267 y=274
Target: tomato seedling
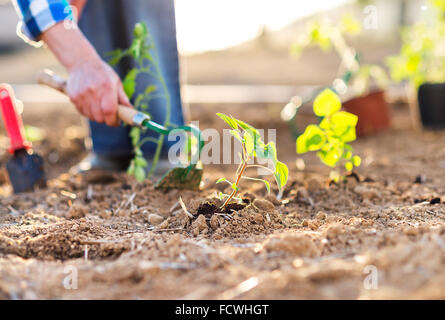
x=252 y=147
x=330 y=138
x=143 y=51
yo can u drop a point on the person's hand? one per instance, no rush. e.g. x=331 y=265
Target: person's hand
x=96 y=90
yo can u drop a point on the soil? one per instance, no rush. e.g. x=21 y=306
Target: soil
x=126 y=240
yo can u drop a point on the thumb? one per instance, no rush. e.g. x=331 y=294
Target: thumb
x=122 y=96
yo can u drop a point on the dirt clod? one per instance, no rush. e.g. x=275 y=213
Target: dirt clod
x=313 y=185
x=155 y=219
x=263 y=205
x=295 y=244
x=365 y=192
x=199 y=225
x=76 y=212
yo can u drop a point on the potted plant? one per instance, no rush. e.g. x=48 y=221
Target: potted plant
x=361 y=87
x=422 y=62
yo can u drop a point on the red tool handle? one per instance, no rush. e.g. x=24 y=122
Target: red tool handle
x=13 y=122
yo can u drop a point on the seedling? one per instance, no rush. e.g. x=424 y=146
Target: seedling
x=143 y=52
x=421 y=57
x=327 y=36
x=252 y=147
x=330 y=138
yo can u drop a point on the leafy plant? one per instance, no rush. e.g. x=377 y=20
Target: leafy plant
x=143 y=51
x=252 y=147
x=328 y=36
x=421 y=58
x=331 y=137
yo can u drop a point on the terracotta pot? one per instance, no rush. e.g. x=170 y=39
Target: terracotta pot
x=372 y=111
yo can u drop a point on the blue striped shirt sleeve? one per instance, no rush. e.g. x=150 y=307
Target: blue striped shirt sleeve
x=37 y=16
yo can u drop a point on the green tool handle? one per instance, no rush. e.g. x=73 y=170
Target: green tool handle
x=130 y=116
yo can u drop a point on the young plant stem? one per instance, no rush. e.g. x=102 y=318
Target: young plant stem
x=167 y=118
x=241 y=170
x=239 y=174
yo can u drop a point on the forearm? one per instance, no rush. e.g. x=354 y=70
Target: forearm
x=69 y=45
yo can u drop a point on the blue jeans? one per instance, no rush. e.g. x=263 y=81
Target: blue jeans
x=108 y=25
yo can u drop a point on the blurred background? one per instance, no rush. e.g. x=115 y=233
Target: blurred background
x=242 y=41
x=233 y=53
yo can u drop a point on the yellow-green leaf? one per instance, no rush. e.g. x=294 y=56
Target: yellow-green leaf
x=312 y=139
x=129 y=83
x=249 y=143
x=330 y=157
x=326 y=103
x=236 y=134
x=231 y=122
x=356 y=160
x=281 y=174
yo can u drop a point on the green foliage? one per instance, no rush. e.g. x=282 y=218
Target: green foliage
x=143 y=51
x=421 y=58
x=253 y=147
x=330 y=138
x=33 y=134
x=330 y=36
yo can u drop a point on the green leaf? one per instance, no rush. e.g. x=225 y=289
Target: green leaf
x=268 y=151
x=349 y=166
x=236 y=134
x=326 y=103
x=356 y=160
x=343 y=125
x=150 y=89
x=223 y=180
x=281 y=174
x=312 y=139
x=347 y=155
x=139 y=173
x=330 y=157
x=135 y=135
x=249 y=143
x=129 y=83
x=234 y=187
x=343 y=118
x=130 y=170
x=115 y=56
x=140 y=162
x=349 y=135
x=267 y=184
x=245 y=126
x=229 y=120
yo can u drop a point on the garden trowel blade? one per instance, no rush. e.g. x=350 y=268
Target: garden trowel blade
x=25 y=171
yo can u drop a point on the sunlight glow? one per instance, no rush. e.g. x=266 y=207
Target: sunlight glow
x=204 y=25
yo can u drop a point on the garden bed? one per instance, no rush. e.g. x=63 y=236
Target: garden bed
x=128 y=240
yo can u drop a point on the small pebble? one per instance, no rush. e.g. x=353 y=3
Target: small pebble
x=155 y=219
